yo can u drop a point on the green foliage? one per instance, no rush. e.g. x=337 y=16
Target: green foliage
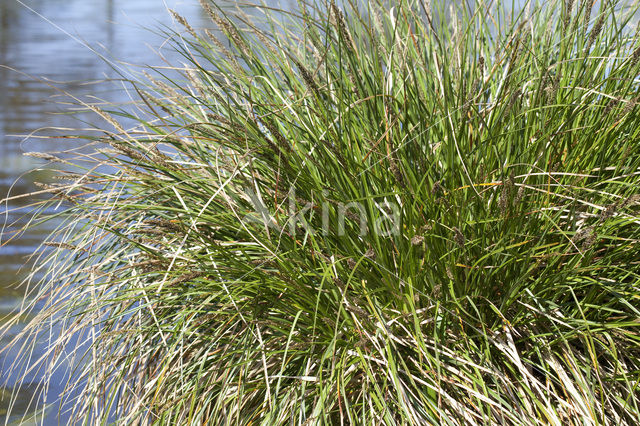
x=504 y=288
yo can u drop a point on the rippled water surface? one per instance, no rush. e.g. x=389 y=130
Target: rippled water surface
x=48 y=47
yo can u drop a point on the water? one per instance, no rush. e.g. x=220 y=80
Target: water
x=45 y=41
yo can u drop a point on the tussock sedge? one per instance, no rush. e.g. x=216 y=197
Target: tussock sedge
x=359 y=214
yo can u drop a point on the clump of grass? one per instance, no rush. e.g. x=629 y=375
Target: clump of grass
x=350 y=214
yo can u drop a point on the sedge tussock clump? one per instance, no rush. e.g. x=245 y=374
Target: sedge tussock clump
x=361 y=215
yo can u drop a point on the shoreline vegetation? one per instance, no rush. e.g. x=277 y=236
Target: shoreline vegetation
x=356 y=214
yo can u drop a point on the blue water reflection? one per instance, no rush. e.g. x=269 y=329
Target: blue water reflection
x=48 y=47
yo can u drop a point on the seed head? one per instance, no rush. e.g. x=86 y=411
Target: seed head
x=43 y=156
x=458 y=237
x=595 y=32
x=507 y=189
x=417 y=240
x=552 y=87
x=56 y=190
x=515 y=97
x=222 y=49
x=581 y=234
x=342 y=26
x=66 y=246
x=567 y=16
x=397 y=174
x=587 y=15
x=449 y=273
x=610 y=105
x=629 y=106
x=226 y=27
x=437 y=188
x=307 y=77
x=608 y=212
x=635 y=56
x=184 y=23
x=196 y=82
x=164 y=223
x=185 y=278
x=275 y=133
x=590 y=240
